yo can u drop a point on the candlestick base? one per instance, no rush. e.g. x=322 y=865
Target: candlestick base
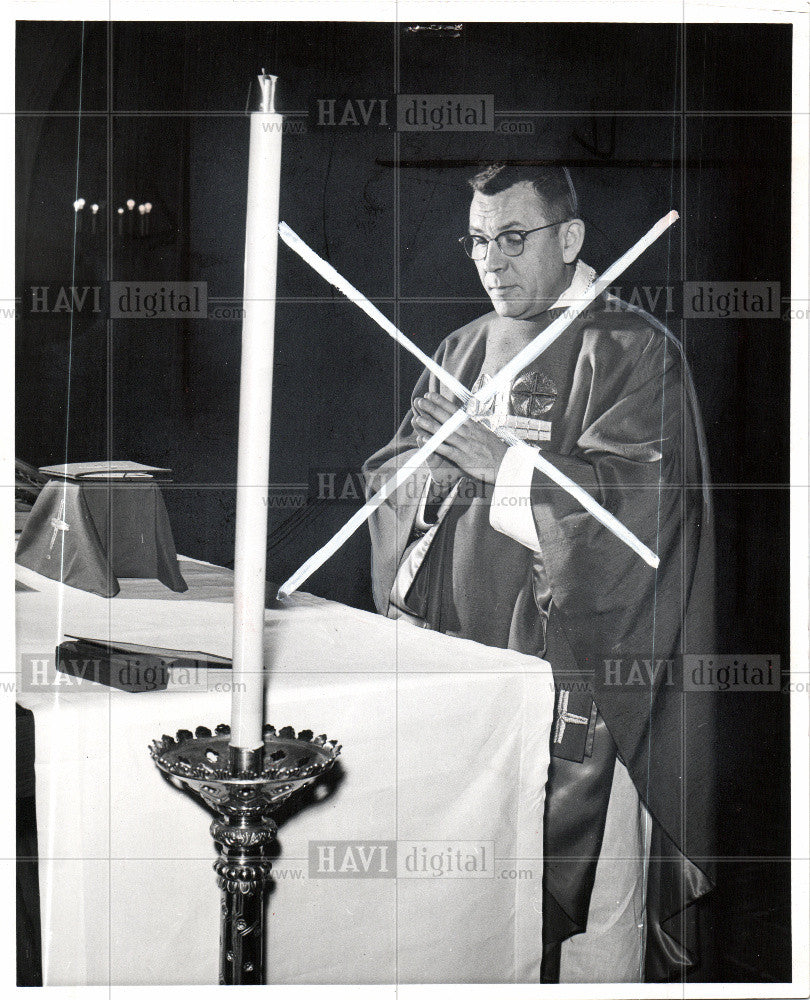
x=244 y=789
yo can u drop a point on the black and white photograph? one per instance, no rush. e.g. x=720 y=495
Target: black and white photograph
x=408 y=409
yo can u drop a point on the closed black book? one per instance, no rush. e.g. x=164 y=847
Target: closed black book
x=130 y=667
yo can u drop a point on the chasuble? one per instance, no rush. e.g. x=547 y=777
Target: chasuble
x=520 y=565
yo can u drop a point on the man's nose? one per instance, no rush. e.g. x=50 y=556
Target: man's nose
x=495 y=258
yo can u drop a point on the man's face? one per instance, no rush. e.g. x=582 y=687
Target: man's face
x=522 y=286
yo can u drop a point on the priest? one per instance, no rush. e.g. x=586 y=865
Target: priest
x=481 y=545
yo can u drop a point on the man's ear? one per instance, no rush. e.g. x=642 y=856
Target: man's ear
x=572 y=236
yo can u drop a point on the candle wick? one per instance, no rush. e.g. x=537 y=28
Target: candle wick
x=267 y=86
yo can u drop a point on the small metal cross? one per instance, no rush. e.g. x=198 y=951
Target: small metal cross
x=58 y=524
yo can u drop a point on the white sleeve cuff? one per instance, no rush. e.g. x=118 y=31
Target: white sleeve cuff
x=419 y=522
x=511 y=507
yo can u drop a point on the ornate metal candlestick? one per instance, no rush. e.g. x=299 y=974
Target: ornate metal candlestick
x=245 y=774
x=244 y=788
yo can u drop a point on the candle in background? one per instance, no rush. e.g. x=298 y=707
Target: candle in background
x=148 y=207
x=255 y=399
x=142 y=214
x=78 y=205
x=131 y=216
x=120 y=222
x=94 y=210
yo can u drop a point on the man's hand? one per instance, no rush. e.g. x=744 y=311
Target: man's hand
x=445 y=474
x=473 y=448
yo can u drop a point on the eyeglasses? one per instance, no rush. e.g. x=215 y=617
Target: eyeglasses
x=510 y=242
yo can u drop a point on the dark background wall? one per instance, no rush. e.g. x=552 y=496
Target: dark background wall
x=650 y=118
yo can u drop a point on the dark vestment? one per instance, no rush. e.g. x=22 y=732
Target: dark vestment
x=625 y=426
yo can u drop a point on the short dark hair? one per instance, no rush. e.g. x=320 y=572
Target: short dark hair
x=552 y=183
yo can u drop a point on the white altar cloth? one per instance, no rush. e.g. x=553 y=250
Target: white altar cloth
x=445 y=741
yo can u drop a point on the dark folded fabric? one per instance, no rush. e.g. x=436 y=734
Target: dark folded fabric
x=90 y=535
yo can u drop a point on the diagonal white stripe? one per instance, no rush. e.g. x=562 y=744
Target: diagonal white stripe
x=325 y=269
x=505 y=376
x=317 y=560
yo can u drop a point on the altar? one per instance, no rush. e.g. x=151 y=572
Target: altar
x=417 y=859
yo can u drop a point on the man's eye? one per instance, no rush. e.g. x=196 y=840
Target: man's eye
x=479 y=241
x=512 y=240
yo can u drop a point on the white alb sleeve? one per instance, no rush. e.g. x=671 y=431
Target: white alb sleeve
x=420 y=522
x=511 y=507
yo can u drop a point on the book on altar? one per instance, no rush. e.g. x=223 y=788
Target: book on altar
x=106 y=470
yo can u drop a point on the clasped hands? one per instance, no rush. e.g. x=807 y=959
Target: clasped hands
x=473 y=450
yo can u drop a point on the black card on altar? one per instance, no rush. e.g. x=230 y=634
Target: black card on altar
x=131 y=667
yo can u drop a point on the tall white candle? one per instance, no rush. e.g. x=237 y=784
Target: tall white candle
x=256 y=387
